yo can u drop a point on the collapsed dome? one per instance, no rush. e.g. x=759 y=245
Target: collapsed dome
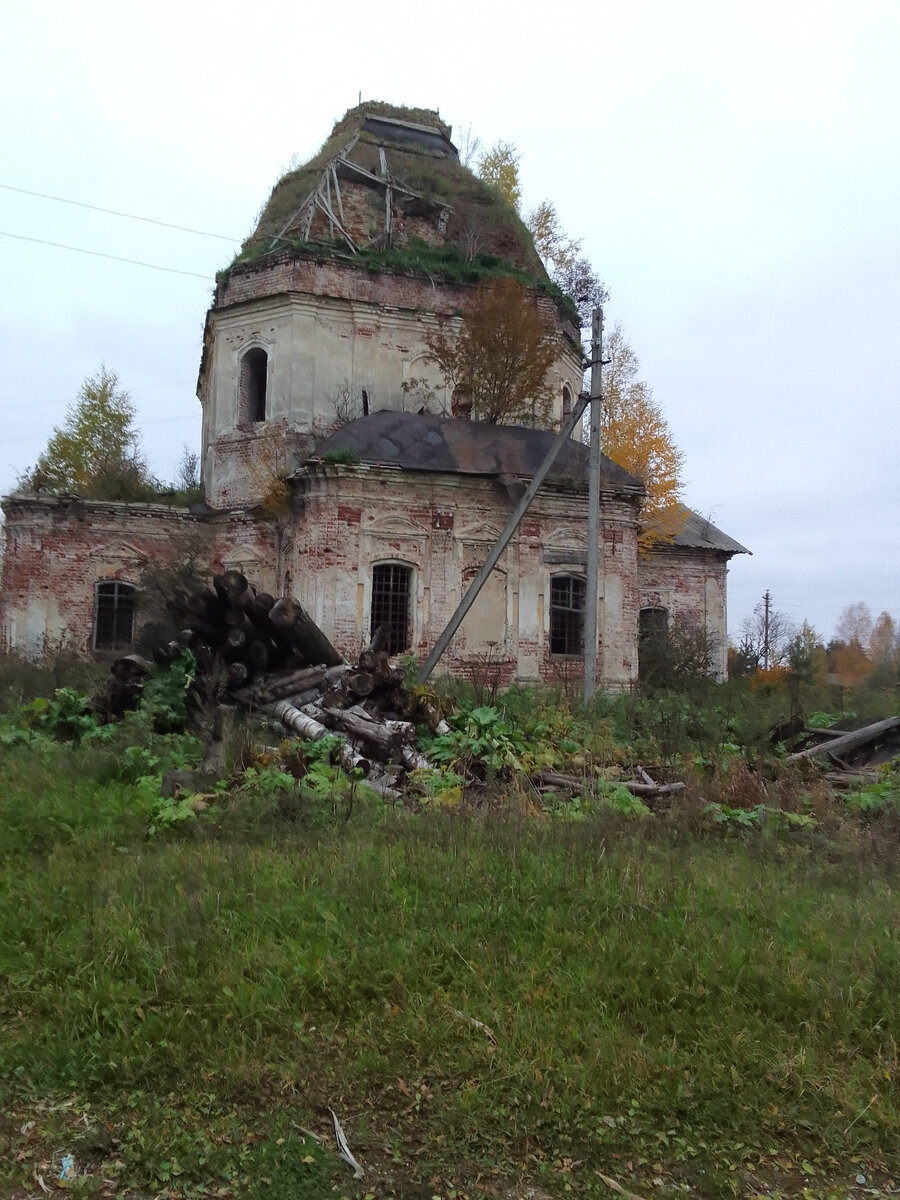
x=388 y=188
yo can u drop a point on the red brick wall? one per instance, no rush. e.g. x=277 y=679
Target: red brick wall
x=348 y=519
x=56 y=550
x=442 y=527
x=395 y=289
x=689 y=583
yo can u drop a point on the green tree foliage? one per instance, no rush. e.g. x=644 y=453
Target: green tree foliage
x=96 y=452
x=806 y=656
x=677 y=655
x=502 y=355
x=499 y=168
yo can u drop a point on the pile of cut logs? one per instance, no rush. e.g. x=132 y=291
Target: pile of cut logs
x=270 y=657
x=241 y=632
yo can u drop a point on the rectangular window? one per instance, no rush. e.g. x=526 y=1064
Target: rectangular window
x=113 y=616
x=567 y=594
x=390 y=604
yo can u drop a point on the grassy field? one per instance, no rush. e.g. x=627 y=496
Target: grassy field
x=493 y=1004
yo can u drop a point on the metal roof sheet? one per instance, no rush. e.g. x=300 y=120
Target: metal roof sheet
x=421 y=442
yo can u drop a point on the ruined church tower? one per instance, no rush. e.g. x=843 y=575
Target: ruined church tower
x=358 y=256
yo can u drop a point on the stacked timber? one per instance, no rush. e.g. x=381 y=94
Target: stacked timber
x=237 y=634
x=269 y=657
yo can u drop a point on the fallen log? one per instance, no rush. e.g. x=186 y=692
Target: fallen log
x=258 y=654
x=236 y=674
x=210 y=632
x=360 y=683
x=848 y=741
x=129 y=666
x=297 y=627
x=215 y=753
x=851 y=779
x=235 y=645
x=311 y=730
x=376 y=734
x=233 y=589
x=555 y=779
x=652 y=790
x=581 y=783
x=413 y=760
x=288 y=683
x=216 y=748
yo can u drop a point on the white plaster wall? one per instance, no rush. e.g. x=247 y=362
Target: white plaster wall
x=318 y=347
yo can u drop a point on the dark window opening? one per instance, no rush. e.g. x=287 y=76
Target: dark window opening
x=567 y=595
x=113 y=616
x=390 y=604
x=254 y=377
x=653 y=644
x=566 y=404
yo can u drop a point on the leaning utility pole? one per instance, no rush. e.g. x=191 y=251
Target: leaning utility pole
x=503 y=540
x=592 y=583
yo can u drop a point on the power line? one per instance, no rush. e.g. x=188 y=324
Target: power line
x=99 y=254
x=41 y=437
x=150 y=387
x=112 y=212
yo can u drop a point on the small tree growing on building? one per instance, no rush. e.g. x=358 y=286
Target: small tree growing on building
x=96 y=452
x=502 y=356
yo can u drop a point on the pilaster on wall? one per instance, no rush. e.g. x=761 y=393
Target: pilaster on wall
x=690 y=583
x=442 y=527
x=620 y=603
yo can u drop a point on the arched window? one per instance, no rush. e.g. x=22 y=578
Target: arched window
x=391 y=590
x=254 y=378
x=567 y=596
x=566 y=402
x=113 y=615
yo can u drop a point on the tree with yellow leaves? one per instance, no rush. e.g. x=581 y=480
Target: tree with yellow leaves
x=636 y=435
x=502 y=355
x=499 y=168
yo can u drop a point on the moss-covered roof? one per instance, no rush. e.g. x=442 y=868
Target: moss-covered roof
x=442 y=218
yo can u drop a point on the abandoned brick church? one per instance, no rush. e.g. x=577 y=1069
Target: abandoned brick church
x=337 y=464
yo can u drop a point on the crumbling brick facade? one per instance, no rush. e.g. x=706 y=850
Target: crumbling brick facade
x=301 y=340
x=691 y=584
x=442 y=527
x=59 y=549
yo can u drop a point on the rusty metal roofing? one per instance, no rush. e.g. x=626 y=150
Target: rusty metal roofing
x=420 y=442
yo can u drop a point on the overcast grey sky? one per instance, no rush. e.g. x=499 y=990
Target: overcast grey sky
x=732 y=168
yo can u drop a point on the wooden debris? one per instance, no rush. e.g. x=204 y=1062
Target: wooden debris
x=849 y=741
x=646 y=787
x=296 y=628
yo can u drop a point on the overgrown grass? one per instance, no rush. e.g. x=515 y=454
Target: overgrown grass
x=700 y=1007
x=705 y=998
